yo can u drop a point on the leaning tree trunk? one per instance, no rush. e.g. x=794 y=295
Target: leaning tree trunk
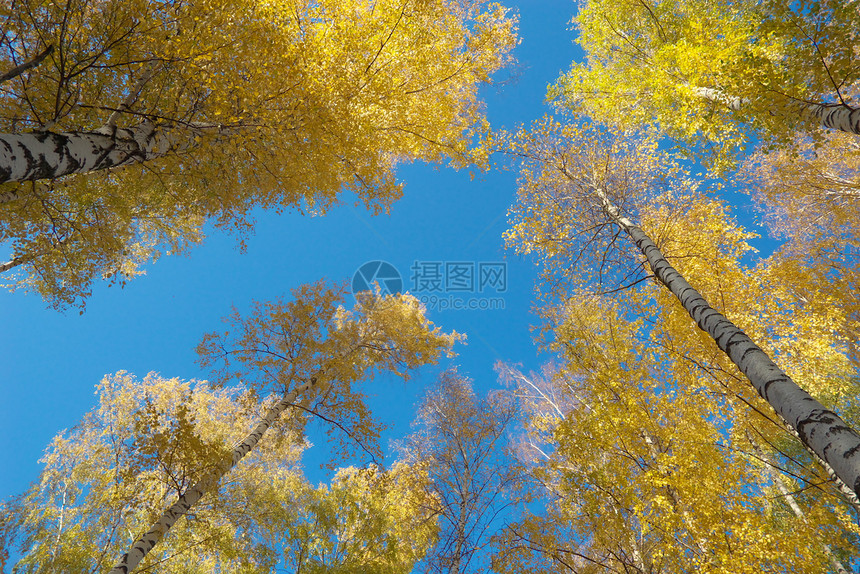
x=822 y=430
x=189 y=498
x=834 y=116
x=48 y=155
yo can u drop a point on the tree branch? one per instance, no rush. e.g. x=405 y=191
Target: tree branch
x=18 y=70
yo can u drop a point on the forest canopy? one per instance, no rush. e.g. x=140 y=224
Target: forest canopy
x=629 y=334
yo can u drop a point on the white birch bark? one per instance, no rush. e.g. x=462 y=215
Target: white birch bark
x=190 y=497
x=10 y=195
x=851 y=497
x=834 y=116
x=819 y=428
x=48 y=155
x=11 y=264
x=718 y=96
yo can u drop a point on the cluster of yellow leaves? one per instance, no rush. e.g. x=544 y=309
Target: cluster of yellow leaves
x=107 y=479
x=280 y=346
x=280 y=104
x=808 y=195
x=643 y=470
x=651 y=445
x=367 y=520
x=710 y=74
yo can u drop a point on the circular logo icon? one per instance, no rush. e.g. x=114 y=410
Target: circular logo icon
x=382 y=273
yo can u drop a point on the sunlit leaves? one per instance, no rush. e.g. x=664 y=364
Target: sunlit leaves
x=710 y=74
x=281 y=345
x=107 y=478
x=274 y=104
x=646 y=440
x=637 y=471
x=367 y=520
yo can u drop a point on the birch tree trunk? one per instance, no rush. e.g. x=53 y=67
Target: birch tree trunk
x=190 y=497
x=49 y=155
x=819 y=428
x=718 y=96
x=834 y=116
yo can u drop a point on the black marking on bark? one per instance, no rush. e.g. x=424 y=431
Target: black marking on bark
x=101 y=161
x=64 y=152
x=764 y=391
x=31 y=162
x=839 y=429
x=733 y=339
x=817 y=417
x=683 y=292
x=747 y=352
x=6 y=173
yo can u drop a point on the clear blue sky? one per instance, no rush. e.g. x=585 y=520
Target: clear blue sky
x=52 y=361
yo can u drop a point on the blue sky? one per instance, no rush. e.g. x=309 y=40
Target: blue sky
x=52 y=361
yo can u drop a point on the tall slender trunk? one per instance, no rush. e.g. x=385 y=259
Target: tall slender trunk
x=189 y=498
x=821 y=429
x=48 y=155
x=834 y=116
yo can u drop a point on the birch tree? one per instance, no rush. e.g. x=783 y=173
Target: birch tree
x=461 y=440
x=712 y=74
x=809 y=192
x=808 y=196
x=575 y=183
x=312 y=353
x=124 y=126
x=148 y=439
x=636 y=465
